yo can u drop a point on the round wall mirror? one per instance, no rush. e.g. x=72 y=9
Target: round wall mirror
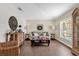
x=13 y=23
x=39 y=27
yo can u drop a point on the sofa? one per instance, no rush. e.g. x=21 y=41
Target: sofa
x=39 y=38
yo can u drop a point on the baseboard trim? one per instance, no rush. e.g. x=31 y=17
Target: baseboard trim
x=63 y=43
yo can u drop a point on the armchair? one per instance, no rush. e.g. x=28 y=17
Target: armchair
x=10 y=48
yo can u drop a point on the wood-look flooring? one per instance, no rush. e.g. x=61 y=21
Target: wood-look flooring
x=54 y=49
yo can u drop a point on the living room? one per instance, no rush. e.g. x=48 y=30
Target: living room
x=26 y=26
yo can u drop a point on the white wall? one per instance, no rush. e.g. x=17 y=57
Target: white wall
x=7 y=10
x=31 y=25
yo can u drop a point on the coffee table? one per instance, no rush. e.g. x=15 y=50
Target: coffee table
x=39 y=42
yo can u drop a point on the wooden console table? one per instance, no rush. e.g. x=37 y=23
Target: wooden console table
x=17 y=36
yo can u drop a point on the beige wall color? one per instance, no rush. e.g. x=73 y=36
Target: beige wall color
x=66 y=16
x=31 y=25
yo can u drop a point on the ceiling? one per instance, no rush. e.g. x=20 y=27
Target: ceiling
x=44 y=11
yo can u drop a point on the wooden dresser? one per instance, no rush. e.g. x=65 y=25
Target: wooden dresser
x=12 y=45
x=17 y=36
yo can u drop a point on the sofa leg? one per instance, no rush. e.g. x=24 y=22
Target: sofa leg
x=48 y=44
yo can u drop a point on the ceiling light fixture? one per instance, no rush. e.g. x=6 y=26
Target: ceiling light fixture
x=20 y=9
